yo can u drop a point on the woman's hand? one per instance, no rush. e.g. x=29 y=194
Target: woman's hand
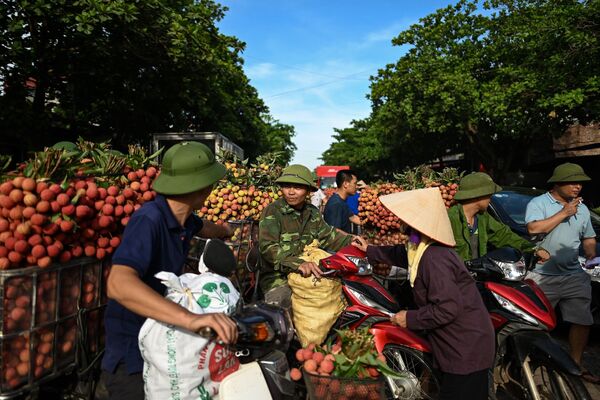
x=360 y=243
x=399 y=319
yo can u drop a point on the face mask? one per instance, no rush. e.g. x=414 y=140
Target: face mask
x=414 y=237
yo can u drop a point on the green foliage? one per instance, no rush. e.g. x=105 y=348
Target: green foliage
x=121 y=70
x=362 y=147
x=423 y=176
x=488 y=79
x=86 y=159
x=356 y=353
x=278 y=139
x=4 y=163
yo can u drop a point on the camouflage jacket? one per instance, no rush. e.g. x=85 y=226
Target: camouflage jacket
x=282 y=234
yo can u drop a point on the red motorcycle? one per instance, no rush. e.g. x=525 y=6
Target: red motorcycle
x=371 y=305
x=529 y=364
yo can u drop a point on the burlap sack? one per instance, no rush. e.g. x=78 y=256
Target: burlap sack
x=316 y=303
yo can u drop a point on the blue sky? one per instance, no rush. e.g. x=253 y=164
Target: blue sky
x=311 y=60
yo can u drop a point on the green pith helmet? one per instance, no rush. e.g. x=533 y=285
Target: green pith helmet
x=188 y=167
x=298 y=174
x=476 y=184
x=65 y=145
x=569 y=172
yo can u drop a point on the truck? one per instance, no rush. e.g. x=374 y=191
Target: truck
x=215 y=141
x=326 y=175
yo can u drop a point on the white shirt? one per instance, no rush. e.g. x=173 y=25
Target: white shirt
x=317 y=198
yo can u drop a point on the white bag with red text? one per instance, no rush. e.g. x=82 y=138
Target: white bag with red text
x=179 y=364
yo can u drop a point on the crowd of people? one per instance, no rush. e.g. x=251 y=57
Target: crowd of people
x=448 y=304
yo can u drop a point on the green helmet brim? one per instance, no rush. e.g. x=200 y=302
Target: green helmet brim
x=292 y=178
x=477 y=192
x=170 y=183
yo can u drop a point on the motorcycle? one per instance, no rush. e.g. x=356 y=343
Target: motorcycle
x=528 y=363
x=371 y=305
x=593 y=270
x=265 y=332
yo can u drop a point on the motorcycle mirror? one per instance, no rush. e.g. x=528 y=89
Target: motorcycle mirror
x=538 y=237
x=219 y=258
x=504 y=254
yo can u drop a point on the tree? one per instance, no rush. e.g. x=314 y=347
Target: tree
x=492 y=83
x=279 y=139
x=123 y=70
x=360 y=147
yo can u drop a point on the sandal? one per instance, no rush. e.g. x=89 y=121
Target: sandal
x=589 y=377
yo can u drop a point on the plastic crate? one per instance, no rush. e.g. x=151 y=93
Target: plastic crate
x=244 y=237
x=319 y=387
x=244 y=244
x=39 y=330
x=93 y=325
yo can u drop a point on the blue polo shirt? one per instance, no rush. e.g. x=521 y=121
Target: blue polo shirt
x=337 y=213
x=352 y=202
x=153 y=241
x=564 y=240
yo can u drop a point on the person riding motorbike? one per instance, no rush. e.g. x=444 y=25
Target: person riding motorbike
x=286 y=227
x=448 y=303
x=157 y=239
x=474 y=228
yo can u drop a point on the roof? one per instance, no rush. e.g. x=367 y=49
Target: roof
x=329 y=170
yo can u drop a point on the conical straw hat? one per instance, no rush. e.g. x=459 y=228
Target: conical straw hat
x=423 y=210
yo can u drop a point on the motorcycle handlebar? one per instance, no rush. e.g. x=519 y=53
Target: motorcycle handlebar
x=530 y=261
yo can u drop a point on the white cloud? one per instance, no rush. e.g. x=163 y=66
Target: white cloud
x=261 y=70
x=314 y=123
x=384 y=35
x=314 y=102
x=326 y=93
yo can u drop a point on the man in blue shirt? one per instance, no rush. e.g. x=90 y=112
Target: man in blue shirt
x=157 y=238
x=353 y=201
x=561 y=215
x=337 y=213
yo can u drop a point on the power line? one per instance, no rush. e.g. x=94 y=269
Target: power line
x=312 y=87
x=307 y=71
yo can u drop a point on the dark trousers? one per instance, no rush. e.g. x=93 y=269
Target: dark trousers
x=123 y=386
x=473 y=386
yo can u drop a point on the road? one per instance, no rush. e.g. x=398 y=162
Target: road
x=591 y=356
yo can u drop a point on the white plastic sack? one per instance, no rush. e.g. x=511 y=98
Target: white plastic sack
x=181 y=365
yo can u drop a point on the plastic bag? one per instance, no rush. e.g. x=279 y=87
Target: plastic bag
x=179 y=364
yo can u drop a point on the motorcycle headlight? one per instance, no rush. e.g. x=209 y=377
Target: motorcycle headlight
x=513 y=271
x=513 y=308
x=261 y=332
x=364 y=268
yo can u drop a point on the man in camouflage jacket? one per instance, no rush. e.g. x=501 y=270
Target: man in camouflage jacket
x=286 y=227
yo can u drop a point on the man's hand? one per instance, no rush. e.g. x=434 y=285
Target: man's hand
x=308 y=268
x=360 y=243
x=543 y=255
x=221 y=324
x=399 y=319
x=228 y=231
x=571 y=207
x=355 y=220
